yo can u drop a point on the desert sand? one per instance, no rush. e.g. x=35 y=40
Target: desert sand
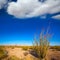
x=22 y=54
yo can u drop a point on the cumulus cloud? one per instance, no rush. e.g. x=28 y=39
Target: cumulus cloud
x=2 y=3
x=56 y=17
x=32 y=8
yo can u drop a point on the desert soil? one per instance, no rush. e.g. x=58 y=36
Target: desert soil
x=20 y=53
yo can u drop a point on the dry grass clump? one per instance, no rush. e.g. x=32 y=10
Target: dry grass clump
x=13 y=58
x=41 y=46
x=3 y=54
x=55 y=48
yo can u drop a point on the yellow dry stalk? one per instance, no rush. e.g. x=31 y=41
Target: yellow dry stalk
x=41 y=46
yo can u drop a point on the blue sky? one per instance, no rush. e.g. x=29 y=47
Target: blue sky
x=20 y=28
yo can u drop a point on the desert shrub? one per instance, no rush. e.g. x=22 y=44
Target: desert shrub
x=24 y=47
x=41 y=45
x=3 y=53
x=55 y=48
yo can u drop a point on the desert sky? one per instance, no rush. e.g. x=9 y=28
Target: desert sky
x=20 y=20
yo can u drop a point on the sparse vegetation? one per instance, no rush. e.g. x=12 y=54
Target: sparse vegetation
x=13 y=58
x=2 y=53
x=41 y=46
x=36 y=49
x=55 y=48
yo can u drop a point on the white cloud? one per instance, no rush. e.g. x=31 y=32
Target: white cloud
x=56 y=17
x=32 y=8
x=2 y=3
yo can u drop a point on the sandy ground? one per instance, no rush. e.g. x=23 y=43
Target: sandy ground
x=53 y=55
x=19 y=52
